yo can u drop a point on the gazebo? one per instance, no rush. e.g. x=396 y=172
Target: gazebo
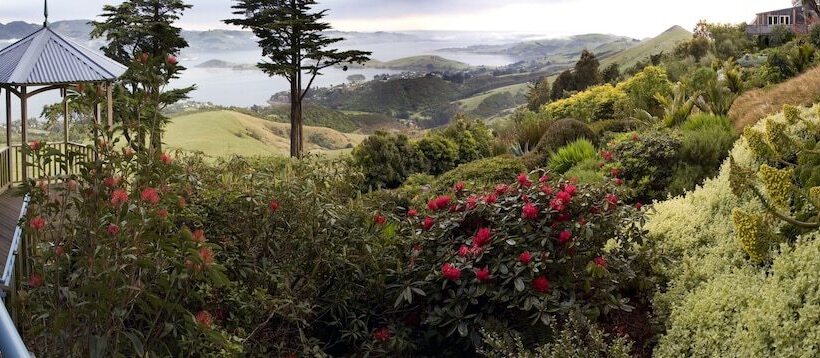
x=45 y=61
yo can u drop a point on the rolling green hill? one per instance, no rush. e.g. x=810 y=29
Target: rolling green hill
x=664 y=42
x=424 y=63
x=224 y=133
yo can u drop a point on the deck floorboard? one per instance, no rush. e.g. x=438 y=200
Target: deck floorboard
x=10 y=205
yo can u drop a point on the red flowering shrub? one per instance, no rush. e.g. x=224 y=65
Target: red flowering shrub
x=522 y=258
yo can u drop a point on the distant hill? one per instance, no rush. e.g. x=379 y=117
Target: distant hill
x=424 y=63
x=223 y=133
x=225 y=64
x=664 y=42
x=541 y=49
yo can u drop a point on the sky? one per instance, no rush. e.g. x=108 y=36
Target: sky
x=551 y=18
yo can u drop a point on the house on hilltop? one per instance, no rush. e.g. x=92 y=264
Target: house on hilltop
x=798 y=19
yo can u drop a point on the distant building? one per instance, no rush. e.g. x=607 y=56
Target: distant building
x=797 y=18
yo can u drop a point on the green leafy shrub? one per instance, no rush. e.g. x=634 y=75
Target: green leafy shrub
x=595 y=103
x=701 y=152
x=387 y=159
x=601 y=128
x=520 y=256
x=527 y=131
x=482 y=173
x=472 y=137
x=587 y=172
x=645 y=161
x=571 y=154
x=814 y=35
x=559 y=134
x=642 y=89
x=440 y=153
x=706 y=121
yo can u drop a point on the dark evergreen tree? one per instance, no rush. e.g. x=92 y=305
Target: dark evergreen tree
x=611 y=74
x=586 y=72
x=293 y=39
x=539 y=94
x=142 y=35
x=564 y=83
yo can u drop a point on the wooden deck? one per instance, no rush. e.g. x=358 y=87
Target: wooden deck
x=10 y=205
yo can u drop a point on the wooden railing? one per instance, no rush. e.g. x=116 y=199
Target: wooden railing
x=13 y=168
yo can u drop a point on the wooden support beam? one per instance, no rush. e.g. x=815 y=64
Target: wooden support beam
x=109 y=89
x=64 y=92
x=8 y=118
x=23 y=131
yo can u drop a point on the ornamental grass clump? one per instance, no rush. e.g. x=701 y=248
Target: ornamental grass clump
x=524 y=254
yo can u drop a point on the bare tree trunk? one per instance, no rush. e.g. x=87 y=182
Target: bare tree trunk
x=295 y=120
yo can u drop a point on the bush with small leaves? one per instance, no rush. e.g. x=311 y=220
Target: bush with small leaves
x=557 y=135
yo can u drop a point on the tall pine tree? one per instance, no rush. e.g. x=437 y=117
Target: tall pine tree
x=293 y=39
x=141 y=34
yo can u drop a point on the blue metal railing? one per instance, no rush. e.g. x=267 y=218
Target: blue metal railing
x=11 y=344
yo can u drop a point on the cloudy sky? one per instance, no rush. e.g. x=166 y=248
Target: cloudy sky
x=635 y=18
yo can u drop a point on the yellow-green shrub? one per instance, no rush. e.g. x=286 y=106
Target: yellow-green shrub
x=642 y=88
x=596 y=103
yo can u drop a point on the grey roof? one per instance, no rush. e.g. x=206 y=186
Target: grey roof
x=46 y=57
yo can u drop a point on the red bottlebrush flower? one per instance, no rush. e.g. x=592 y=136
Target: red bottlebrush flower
x=166 y=159
x=529 y=212
x=150 y=196
x=544 y=178
x=127 y=152
x=171 y=60
x=546 y=189
x=558 y=205
x=501 y=189
x=428 y=223
x=541 y=284
x=600 y=261
x=564 y=237
x=206 y=255
x=564 y=196
x=463 y=251
x=412 y=213
x=198 y=235
x=37 y=223
x=638 y=206
x=439 y=203
x=476 y=250
x=472 y=202
x=112 y=181
x=619 y=181
x=491 y=198
x=483 y=275
x=524 y=180
x=379 y=219
x=570 y=190
x=482 y=237
x=273 y=205
x=113 y=229
x=119 y=197
x=204 y=318
x=144 y=58
x=382 y=334
x=450 y=272
x=36 y=145
x=607 y=155
x=614 y=172
x=563 y=217
x=59 y=250
x=612 y=199
x=162 y=213
x=35 y=280
x=458 y=187
x=525 y=257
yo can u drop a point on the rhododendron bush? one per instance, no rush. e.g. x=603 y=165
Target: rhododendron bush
x=524 y=254
x=111 y=271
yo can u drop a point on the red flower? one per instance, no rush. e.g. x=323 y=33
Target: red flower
x=198 y=235
x=71 y=184
x=171 y=59
x=570 y=190
x=382 y=334
x=635 y=137
x=412 y=213
x=491 y=199
x=544 y=178
x=428 y=223
x=639 y=206
x=614 y=172
x=525 y=257
x=482 y=237
x=525 y=198
x=35 y=280
x=450 y=272
x=59 y=250
x=600 y=261
x=529 y=212
x=557 y=204
x=612 y=199
x=458 y=187
x=113 y=229
x=144 y=57
x=463 y=251
x=204 y=319
x=500 y=189
x=607 y=155
x=472 y=202
x=476 y=250
x=150 y=196
x=541 y=284
x=119 y=197
x=165 y=159
x=564 y=237
x=36 y=145
x=38 y=223
x=127 y=152
x=162 y=213
x=206 y=255
x=546 y=189
x=524 y=180
x=439 y=203
x=112 y=181
x=483 y=275
x=273 y=205
x=379 y=219
x=564 y=195
x=619 y=181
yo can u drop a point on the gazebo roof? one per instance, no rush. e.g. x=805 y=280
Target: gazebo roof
x=46 y=57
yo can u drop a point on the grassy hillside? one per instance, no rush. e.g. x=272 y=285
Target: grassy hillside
x=223 y=133
x=664 y=42
x=803 y=90
x=424 y=63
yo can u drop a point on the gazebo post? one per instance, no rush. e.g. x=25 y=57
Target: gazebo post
x=109 y=89
x=8 y=117
x=23 y=116
x=64 y=92
x=8 y=160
